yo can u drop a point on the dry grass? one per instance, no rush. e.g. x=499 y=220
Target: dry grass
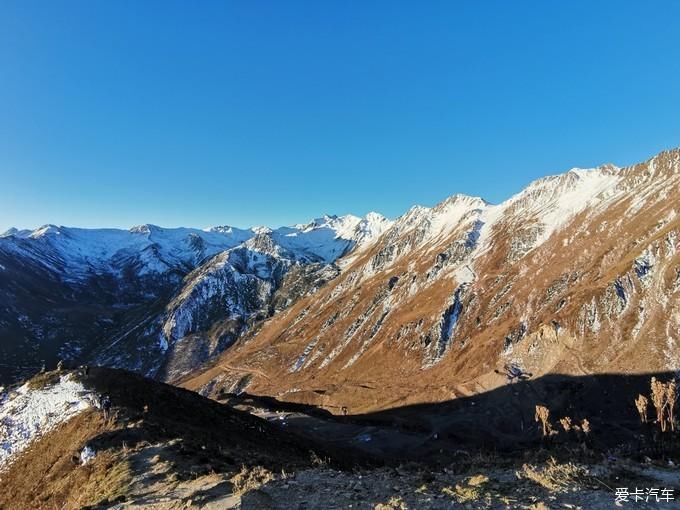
x=642 y=405
x=554 y=476
x=250 y=479
x=108 y=482
x=43 y=380
x=471 y=490
x=463 y=493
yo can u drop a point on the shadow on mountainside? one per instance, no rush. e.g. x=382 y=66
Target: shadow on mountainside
x=501 y=420
x=167 y=442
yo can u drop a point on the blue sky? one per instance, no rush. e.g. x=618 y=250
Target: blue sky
x=244 y=113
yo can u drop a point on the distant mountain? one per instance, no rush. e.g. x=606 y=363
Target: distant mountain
x=128 y=298
x=579 y=273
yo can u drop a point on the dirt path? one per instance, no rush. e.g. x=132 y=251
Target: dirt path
x=577 y=357
x=230 y=368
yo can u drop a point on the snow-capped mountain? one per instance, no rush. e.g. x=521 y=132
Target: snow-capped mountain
x=578 y=273
x=78 y=253
x=126 y=297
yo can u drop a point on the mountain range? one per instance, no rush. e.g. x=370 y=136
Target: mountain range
x=129 y=298
x=577 y=273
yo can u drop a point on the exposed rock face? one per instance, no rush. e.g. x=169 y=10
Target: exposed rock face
x=578 y=273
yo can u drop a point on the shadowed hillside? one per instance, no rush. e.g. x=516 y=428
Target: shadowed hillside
x=157 y=438
x=499 y=420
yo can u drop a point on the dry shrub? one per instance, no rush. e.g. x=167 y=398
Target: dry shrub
x=566 y=423
x=543 y=416
x=395 y=503
x=553 y=476
x=316 y=460
x=659 y=401
x=250 y=479
x=642 y=404
x=671 y=402
x=463 y=493
x=477 y=480
x=664 y=399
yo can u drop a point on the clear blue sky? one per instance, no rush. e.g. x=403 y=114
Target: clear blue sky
x=115 y=113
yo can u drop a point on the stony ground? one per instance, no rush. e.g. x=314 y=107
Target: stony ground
x=551 y=485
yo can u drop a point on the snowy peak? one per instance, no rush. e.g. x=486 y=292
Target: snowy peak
x=574 y=180
x=370 y=228
x=554 y=200
x=228 y=230
x=46 y=230
x=330 y=237
x=15 y=232
x=440 y=220
x=144 y=230
x=375 y=218
x=327 y=220
x=462 y=201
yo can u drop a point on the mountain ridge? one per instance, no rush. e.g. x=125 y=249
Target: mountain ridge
x=165 y=301
x=440 y=306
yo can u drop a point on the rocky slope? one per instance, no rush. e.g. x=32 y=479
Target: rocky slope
x=131 y=298
x=578 y=274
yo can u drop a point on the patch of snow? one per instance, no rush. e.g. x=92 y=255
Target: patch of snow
x=644 y=265
x=464 y=275
x=163 y=343
x=449 y=322
x=87 y=455
x=303 y=357
x=26 y=414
